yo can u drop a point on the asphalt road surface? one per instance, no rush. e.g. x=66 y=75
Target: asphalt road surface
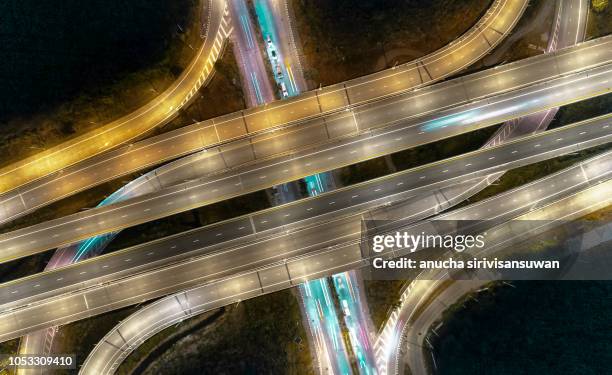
x=85 y=224
x=243 y=125
x=120 y=341
x=267 y=249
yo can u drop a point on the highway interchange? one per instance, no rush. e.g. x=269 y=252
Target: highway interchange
x=286 y=244
x=198 y=193
x=239 y=126
x=115 y=346
x=567 y=30
x=92 y=273
x=489 y=31
x=533 y=118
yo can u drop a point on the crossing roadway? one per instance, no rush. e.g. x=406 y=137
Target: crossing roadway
x=124 y=272
x=43 y=179
x=120 y=341
x=240 y=181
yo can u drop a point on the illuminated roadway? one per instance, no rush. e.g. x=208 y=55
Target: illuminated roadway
x=240 y=181
x=134 y=330
x=258 y=249
x=251 y=60
x=157 y=112
x=256 y=84
x=501 y=16
x=286 y=43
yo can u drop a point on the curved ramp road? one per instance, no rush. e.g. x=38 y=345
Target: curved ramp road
x=99 y=292
x=71 y=178
x=133 y=331
x=157 y=112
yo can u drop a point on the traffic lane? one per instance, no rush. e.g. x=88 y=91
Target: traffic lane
x=110 y=266
x=349 y=253
x=574 y=27
x=76 y=307
x=358 y=197
x=566 y=61
x=254 y=74
x=287 y=42
x=533 y=195
x=355 y=321
x=301 y=269
x=190 y=195
x=319 y=294
x=233 y=126
x=436 y=107
x=188 y=272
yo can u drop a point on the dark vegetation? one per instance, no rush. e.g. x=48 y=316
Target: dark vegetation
x=538 y=327
x=345 y=39
x=382 y=295
x=80 y=337
x=600 y=21
x=264 y=335
x=67 y=68
x=222 y=95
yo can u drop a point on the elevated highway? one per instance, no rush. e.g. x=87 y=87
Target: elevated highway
x=580 y=84
x=134 y=330
x=56 y=177
x=93 y=245
x=92 y=276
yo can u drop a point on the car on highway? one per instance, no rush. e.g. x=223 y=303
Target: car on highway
x=284 y=89
x=345 y=308
x=279 y=71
